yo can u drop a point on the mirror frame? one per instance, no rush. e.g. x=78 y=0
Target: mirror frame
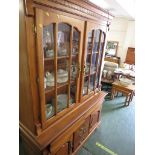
x=115 y=48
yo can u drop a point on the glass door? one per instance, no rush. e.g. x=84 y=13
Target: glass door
x=58 y=50
x=95 y=39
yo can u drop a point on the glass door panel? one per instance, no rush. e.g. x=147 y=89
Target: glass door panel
x=87 y=63
x=94 y=62
x=62 y=72
x=49 y=70
x=62 y=98
x=50 y=100
x=48 y=41
x=64 y=31
x=63 y=51
x=91 y=84
x=85 y=86
x=74 y=65
x=100 y=57
x=96 y=40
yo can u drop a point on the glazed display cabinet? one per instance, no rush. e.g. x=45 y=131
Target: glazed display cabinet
x=61 y=59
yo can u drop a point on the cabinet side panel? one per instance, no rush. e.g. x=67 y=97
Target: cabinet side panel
x=25 y=98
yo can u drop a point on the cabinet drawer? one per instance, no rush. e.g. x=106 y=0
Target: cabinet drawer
x=94 y=118
x=81 y=133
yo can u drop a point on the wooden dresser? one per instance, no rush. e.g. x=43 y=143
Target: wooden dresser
x=130 y=56
x=61 y=52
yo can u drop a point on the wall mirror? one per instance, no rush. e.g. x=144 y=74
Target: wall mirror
x=111 y=48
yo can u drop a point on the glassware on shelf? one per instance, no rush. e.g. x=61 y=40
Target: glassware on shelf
x=62 y=101
x=49 y=53
x=64 y=31
x=93 y=69
x=62 y=51
x=73 y=71
x=75 y=41
x=49 y=110
x=74 y=51
x=48 y=41
x=87 y=68
x=49 y=79
x=84 y=90
x=62 y=76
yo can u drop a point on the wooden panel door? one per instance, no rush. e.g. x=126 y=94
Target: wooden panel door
x=92 y=59
x=59 y=48
x=81 y=134
x=64 y=149
x=94 y=118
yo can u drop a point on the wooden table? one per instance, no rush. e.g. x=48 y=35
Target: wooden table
x=127 y=91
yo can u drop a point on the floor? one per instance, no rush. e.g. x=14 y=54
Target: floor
x=116 y=134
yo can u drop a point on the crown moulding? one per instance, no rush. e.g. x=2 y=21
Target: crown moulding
x=82 y=8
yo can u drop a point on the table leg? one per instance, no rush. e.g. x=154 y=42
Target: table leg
x=112 y=93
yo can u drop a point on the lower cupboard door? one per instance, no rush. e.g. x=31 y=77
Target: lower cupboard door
x=64 y=150
x=94 y=118
x=81 y=133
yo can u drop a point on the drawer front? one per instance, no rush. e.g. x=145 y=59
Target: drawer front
x=81 y=133
x=94 y=118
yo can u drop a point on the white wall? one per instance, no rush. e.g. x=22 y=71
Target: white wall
x=123 y=31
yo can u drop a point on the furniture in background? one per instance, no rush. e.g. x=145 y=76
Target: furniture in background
x=112 y=59
x=111 y=48
x=61 y=52
x=127 y=91
x=122 y=72
x=108 y=76
x=108 y=71
x=130 y=56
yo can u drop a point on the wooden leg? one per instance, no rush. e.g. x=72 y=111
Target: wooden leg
x=116 y=94
x=130 y=98
x=126 y=100
x=132 y=95
x=112 y=93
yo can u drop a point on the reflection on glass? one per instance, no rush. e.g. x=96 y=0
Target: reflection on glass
x=62 y=98
x=48 y=41
x=100 y=57
x=85 y=86
x=74 y=65
x=89 y=43
x=72 y=93
x=94 y=62
x=75 y=41
x=50 y=109
x=62 y=72
x=96 y=40
x=74 y=68
x=49 y=80
x=91 y=84
x=64 y=31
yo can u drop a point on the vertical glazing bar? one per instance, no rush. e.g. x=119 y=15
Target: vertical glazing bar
x=102 y=53
x=90 y=61
x=79 y=71
x=55 y=64
x=70 y=62
x=98 y=50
